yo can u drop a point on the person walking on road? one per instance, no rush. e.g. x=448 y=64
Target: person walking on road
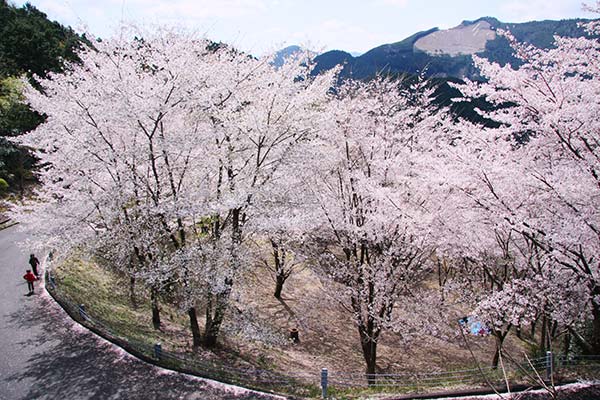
x=30 y=278
x=34 y=262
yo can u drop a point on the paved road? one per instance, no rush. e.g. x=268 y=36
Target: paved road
x=44 y=355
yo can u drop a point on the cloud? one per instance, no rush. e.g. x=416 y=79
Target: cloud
x=521 y=11
x=334 y=34
x=57 y=10
x=393 y=3
x=197 y=9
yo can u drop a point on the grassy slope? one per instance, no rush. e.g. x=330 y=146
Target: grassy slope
x=106 y=298
x=328 y=338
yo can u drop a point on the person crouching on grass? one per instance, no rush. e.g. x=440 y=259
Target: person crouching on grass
x=30 y=278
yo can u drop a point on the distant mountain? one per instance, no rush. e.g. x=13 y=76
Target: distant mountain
x=282 y=54
x=332 y=58
x=447 y=53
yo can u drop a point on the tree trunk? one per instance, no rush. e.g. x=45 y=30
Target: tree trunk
x=279 y=281
x=236 y=228
x=155 y=309
x=496 y=358
x=21 y=187
x=279 y=272
x=215 y=312
x=581 y=342
x=132 y=295
x=567 y=345
x=595 y=342
x=197 y=339
x=591 y=346
x=533 y=328
x=544 y=335
x=21 y=173
x=370 y=353
x=500 y=336
x=369 y=349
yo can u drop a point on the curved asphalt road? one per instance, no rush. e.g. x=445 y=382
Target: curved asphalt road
x=45 y=355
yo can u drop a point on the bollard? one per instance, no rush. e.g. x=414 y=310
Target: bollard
x=549 y=362
x=157 y=351
x=324 y=382
x=82 y=312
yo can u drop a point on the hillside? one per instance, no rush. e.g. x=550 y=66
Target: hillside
x=30 y=45
x=447 y=53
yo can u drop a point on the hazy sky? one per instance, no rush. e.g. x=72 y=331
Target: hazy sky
x=263 y=25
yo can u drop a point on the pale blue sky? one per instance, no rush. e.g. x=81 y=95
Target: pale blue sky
x=258 y=26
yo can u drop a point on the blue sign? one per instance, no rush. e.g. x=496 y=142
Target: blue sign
x=474 y=326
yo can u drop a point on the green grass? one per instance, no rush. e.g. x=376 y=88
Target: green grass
x=107 y=300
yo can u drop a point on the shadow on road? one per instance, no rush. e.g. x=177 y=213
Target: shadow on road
x=73 y=364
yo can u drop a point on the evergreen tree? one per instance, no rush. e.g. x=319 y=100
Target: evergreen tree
x=30 y=45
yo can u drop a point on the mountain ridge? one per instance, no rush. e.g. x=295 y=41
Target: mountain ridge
x=434 y=60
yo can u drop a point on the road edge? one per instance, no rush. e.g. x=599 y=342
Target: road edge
x=123 y=345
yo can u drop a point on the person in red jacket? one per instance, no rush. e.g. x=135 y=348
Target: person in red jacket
x=30 y=278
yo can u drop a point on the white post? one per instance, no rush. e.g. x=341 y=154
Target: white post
x=82 y=312
x=158 y=351
x=549 y=362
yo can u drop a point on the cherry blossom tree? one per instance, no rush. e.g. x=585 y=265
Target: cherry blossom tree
x=119 y=145
x=257 y=132
x=147 y=139
x=496 y=283
x=375 y=196
x=537 y=175
x=282 y=259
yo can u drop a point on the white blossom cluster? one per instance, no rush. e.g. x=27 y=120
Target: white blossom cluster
x=171 y=158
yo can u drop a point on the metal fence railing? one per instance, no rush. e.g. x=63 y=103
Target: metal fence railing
x=461 y=377
x=250 y=377
x=538 y=369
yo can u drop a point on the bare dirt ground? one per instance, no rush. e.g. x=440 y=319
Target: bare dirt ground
x=328 y=338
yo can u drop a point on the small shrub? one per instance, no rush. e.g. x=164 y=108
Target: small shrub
x=3 y=186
